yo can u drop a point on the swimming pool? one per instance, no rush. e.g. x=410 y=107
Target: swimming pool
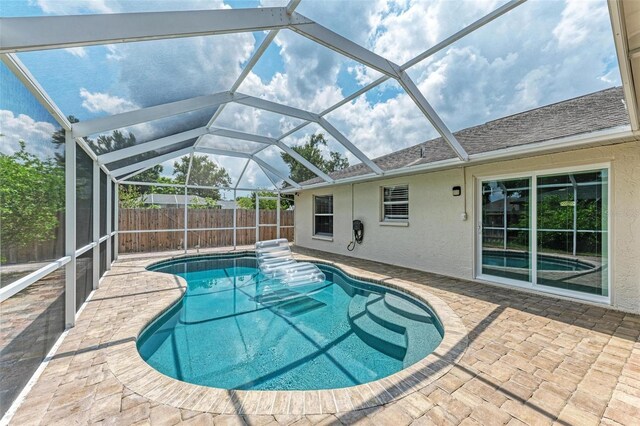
x=235 y=330
x=508 y=259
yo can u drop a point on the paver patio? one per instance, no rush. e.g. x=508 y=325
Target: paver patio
x=530 y=360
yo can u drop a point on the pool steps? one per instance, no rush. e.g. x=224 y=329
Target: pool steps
x=288 y=302
x=388 y=323
x=375 y=335
x=405 y=308
x=381 y=314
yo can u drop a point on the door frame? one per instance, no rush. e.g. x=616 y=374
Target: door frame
x=533 y=175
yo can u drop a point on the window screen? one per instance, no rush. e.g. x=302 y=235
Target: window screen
x=395 y=203
x=103 y=257
x=103 y=203
x=323 y=215
x=84 y=277
x=84 y=198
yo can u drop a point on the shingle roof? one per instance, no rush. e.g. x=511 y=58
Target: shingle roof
x=585 y=114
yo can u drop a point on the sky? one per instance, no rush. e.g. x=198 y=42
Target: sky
x=542 y=52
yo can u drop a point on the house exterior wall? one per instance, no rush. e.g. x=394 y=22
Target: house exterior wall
x=438 y=240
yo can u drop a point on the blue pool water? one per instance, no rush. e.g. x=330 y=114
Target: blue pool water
x=235 y=330
x=521 y=260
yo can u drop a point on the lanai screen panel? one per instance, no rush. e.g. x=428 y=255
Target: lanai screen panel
x=32 y=226
x=255 y=177
x=252 y=120
x=538 y=54
x=314 y=134
x=229 y=144
x=304 y=74
x=301 y=73
x=117 y=139
x=32 y=189
x=383 y=120
x=98 y=81
x=130 y=161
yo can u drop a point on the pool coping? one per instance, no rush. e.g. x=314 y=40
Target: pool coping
x=133 y=372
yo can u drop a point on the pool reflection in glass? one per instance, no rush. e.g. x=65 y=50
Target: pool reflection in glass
x=572 y=223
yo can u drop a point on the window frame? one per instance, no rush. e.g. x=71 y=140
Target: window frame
x=323 y=235
x=383 y=204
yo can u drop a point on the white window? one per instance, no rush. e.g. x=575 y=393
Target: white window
x=323 y=215
x=395 y=203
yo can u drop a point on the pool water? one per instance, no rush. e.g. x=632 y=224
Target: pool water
x=521 y=260
x=235 y=330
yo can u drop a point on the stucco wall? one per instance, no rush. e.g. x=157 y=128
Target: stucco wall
x=438 y=240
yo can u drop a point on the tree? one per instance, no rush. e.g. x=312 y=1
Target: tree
x=108 y=143
x=130 y=197
x=204 y=172
x=165 y=189
x=31 y=197
x=311 y=151
x=250 y=201
x=118 y=140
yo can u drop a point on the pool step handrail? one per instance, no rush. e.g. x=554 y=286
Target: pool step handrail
x=276 y=261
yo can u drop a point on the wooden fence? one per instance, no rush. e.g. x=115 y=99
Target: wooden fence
x=163 y=229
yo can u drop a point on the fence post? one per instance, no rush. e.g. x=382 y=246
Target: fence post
x=235 y=219
x=185 y=219
x=257 y=217
x=278 y=217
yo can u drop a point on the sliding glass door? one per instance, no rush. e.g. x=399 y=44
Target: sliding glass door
x=558 y=219
x=506 y=229
x=572 y=231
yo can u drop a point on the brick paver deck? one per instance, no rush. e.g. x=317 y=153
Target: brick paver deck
x=523 y=359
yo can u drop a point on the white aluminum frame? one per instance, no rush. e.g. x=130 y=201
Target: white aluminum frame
x=293 y=20
x=25 y=34
x=625 y=55
x=96 y=214
x=70 y=230
x=128 y=27
x=109 y=208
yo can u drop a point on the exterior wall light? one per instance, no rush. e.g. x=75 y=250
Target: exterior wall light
x=457 y=190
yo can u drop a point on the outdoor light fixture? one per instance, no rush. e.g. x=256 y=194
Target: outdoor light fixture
x=457 y=190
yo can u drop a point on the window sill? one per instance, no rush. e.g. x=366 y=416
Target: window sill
x=321 y=238
x=402 y=224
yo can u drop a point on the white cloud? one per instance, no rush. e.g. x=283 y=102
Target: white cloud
x=74 y=7
x=575 y=25
x=103 y=102
x=36 y=134
x=79 y=52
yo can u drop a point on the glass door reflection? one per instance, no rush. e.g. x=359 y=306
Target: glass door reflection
x=572 y=230
x=506 y=229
